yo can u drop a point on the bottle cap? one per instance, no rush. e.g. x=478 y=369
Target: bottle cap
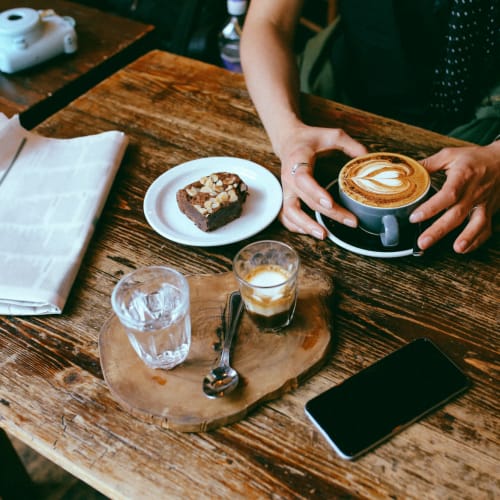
x=237 y=7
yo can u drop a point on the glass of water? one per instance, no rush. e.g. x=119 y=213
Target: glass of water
x=152 y=304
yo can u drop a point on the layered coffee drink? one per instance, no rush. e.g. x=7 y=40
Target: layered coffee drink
x=267 y=276
x=270 y=296
x=384 y=180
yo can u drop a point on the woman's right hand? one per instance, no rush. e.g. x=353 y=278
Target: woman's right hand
x=298 y=151
x=271 y=74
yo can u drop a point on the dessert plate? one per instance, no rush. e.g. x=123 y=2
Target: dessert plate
x=360 y=242
x=259 y=210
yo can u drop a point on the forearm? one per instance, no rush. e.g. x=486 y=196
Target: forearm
x=270 y=68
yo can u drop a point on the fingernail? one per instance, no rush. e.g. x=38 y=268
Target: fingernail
x=461 y=246
x=425 y=242
x=350 y=222
x=416 y=217
x=317 y=234
x=325 y=203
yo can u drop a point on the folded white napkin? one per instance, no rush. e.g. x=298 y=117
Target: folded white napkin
x=52 y=192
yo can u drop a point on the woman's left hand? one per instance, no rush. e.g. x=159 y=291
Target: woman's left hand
x=471 y=191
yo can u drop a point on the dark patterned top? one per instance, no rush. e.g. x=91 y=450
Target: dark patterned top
x=426 y=62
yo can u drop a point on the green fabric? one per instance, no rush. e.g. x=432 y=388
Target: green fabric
x=315 y=69
x=317 y=77
x=485 y=126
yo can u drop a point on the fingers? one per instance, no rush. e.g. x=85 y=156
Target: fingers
x=450 y=195
x=338 y=139
x=300 y=164
x=446 y=223
x=469 y=194
x=295 y=219
x=437 y=161
x=299 y=184
x=454 y=209
x=476 y=232
x=319 y=199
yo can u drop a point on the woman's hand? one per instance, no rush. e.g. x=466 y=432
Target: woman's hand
x=271 y=75
x=471 y=191
x=301 y=148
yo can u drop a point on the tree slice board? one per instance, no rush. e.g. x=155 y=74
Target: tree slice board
x=269 y=364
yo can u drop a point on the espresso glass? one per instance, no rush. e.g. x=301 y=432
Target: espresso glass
x=267 y=272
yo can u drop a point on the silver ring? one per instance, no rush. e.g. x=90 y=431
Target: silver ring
x=298 y=165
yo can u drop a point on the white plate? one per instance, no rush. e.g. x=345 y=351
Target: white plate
x=261 y=207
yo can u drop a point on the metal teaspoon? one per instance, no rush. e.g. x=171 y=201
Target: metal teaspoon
x=223 y=378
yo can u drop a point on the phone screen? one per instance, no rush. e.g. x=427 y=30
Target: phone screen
x=385 y=397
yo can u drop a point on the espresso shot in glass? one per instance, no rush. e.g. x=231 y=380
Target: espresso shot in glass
x=267 y=272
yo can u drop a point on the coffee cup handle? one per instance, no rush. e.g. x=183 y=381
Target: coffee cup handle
x=390 y=235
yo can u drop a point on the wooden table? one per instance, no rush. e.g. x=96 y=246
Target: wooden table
x=52 y=393
x=105 y=42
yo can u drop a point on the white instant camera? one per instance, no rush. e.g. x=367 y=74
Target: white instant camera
x=29 y=37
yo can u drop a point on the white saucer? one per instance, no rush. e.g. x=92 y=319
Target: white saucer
x=259 y=210
x=357 y=240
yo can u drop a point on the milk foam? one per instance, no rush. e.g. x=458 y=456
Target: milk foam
x=384 y=180
x=265 y=296
x=268 y=278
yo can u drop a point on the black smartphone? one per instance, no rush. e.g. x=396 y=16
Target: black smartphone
x=382 y=399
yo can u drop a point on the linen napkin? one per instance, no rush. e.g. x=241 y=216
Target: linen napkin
x=52 y=192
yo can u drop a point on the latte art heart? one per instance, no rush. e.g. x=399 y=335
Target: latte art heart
x=384 y=180
x=379 y=178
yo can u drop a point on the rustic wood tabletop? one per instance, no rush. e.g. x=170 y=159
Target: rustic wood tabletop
x=53 y=395
x=105 y=43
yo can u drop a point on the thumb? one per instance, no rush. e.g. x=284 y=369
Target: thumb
x=338 y=139
x=351 y=147
x=435 y=162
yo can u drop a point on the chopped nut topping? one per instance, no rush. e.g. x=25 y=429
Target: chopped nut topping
x=232 y=195
x=214 y=191
x=222 y=197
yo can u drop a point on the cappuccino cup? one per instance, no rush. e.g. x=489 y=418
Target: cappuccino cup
x=382 y=190
x=266 y=272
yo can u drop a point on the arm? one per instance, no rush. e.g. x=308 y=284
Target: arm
x=269 y=64
x=272 y=80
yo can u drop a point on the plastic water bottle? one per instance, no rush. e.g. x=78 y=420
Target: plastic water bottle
x=229 y=37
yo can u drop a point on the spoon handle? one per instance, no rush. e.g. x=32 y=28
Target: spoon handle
x=234 y=309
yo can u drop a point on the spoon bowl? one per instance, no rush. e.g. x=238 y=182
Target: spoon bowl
x=220 y=381
x=223 y=378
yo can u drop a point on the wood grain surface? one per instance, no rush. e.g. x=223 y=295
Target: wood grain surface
x=105 y=42
x=268 y=364
x=52 y=392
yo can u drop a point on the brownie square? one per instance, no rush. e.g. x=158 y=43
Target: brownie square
x=214 y=200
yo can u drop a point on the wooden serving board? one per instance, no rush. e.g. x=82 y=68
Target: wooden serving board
x=269 y=364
